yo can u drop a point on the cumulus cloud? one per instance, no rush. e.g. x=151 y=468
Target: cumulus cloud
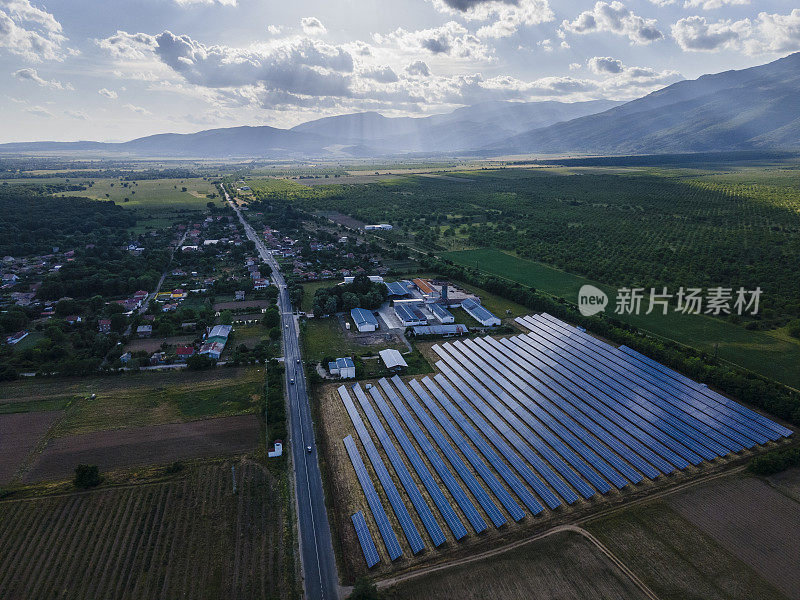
x=506 y=16
x=451 y=39
x=767 y=33
x=137 y=109
x=274 y=29
x=604 y=64
x=419 y=68
x=32 y=75
x=712 y=4
x=312 y=26
x=615 y=18
x=110 y=94
x=30 y=32
x=384 y=74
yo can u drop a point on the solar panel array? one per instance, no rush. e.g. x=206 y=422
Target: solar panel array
x=365 y=539
x=542 y=419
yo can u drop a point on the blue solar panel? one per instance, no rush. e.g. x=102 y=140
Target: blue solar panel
x=365 y=539
x=633 y=436
x=480 y=443
x=600 y=457
x=400 y=510
x=469 y=510
x=466 y=475
x=385 y=528
x=692 y=424
x=503 y=404
x=450 y=517
x=727 y=421
x=424 y=512
x=519 y=465
x=521 y=378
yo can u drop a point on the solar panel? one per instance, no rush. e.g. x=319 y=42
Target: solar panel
x=480 y=443
x=365 y=539
x=563 y=410
x=721 y=419
x=385 y=528
x=400 y=510
x=626 y=432
x=424 y=512
x=449 y=515
x=691 y=421
x=469 y=510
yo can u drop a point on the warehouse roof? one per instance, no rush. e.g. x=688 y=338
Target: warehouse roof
x=362 y=316
x=392 y=359
x=396 y=288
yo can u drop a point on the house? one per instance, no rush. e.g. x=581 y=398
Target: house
x=212 y=349
x=125 y=358
x=238 y=295
x=104 y=325
x=158 y=358
x=479 y=313
x=277 y=449
x=409 y=315
x=16 y=338
x=178 y=294
x=73 y=319
x=144 y=331
x=345 y=368
x=140 y=295
x=364 y=319
x=260 y=284
x=441 y=313
x=184 y=352
x=393 y=360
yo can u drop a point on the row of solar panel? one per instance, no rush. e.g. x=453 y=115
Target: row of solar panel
x=561 y=408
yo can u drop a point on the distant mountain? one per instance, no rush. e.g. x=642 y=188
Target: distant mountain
x=755 y=108
x=361 y=134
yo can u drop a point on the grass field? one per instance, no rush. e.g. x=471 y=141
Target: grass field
x=675 y=559
x=309 y=289
x=137 y=399
x=189 y=537
x=564 y=566
x=325 y=337
x=772 y=354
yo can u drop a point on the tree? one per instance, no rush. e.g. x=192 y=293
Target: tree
x=364 y=589
x=271 y=318
x=349 y=301
x=226 y=317
x=86 y=476
x=198 y=362
x=330 y=306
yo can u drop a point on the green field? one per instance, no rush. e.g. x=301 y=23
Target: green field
x=324 y=337
x=773 y=354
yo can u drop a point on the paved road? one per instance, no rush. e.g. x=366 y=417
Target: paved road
x=321 y=580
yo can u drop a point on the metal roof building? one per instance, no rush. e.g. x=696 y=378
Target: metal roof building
x=409 y=315
x=343 y=367
x=441 y=313
x=479 y=313
x=396 y=288
x=393 y=359
x=364 y=319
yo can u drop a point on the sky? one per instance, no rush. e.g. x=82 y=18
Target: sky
x=115 y=70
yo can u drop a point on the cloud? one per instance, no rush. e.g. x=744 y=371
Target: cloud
x=604 y=64
x=767 y=33
x=274 y=29
x=419 y=68
x=32 y=75
x=506 y=16
x=312 y=26
x=110 y=94
x=615 y=18
x=712 y=4
x=39 y=111
x=196 y=2
x=77 y=114
x=383 y=74
x=30 y=32
x=136 y=109
x=451 y=39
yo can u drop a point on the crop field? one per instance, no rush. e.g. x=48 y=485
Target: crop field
x=19 y=435
x=678 y=560
x=138 y=399
x=189 y=537
x=537 y=428
x=156 y=444
x=563 y=566
x=766 y=352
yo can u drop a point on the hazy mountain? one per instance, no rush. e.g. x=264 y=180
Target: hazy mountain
x=755 y=108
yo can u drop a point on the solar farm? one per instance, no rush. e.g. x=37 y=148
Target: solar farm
x=520 y=431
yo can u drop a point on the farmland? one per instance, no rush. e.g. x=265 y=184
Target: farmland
x=187 y=537
x=766 y=352
x=564 y=566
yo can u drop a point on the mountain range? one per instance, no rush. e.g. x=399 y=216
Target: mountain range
x=749 y=109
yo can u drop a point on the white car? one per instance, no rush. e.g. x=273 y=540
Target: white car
x=308 y=448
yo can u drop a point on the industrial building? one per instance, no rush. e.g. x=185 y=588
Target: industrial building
x=364 y=319
x=215 y=342
x=409 y=315
x=426 y=289
x=393 y=360
x=372 y=278
x=345 y=368
x=397 y=289
x=441 y=313
x=479 y=313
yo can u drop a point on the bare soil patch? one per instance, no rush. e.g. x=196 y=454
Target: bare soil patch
x=146 y=445
x=19 y=434
x=154 y=344
x=751 y=520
